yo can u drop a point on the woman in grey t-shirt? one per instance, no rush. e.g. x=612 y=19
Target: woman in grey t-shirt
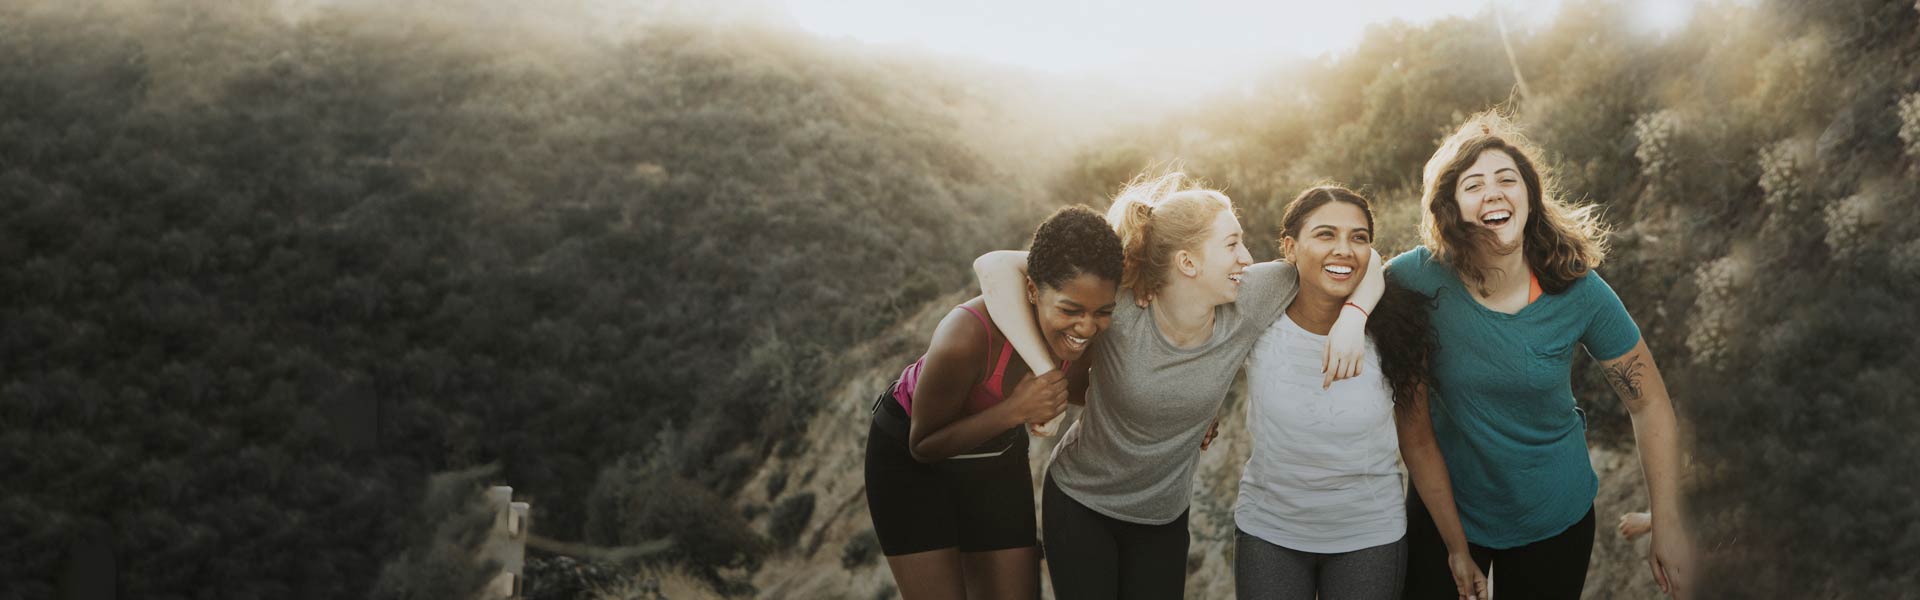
x=1114 y=505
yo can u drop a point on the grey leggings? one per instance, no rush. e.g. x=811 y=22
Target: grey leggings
x=1264 y=570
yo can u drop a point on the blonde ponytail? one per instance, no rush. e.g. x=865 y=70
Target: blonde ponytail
x=1156 y=217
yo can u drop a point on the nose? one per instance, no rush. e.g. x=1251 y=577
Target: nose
x=1086 y=327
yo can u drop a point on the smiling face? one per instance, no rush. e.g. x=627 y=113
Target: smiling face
x=1330 y=248
x=1221 y=259
x=1072 y=314
x=1491 y=194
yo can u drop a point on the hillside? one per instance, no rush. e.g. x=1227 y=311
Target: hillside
x=286 y=280
x=272 y=265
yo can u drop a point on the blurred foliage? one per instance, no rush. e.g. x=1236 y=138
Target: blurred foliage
x=1755 y=165
x=444 y=559
x=268 y=272
x=271 y=268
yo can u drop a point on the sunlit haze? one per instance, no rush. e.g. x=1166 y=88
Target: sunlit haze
x=1179 y=42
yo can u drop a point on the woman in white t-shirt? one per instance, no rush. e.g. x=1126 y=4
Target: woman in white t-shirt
x=1322 y=510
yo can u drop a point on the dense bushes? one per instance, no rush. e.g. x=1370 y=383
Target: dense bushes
x=637 y=501
x=269 y=267
x=1755 y=169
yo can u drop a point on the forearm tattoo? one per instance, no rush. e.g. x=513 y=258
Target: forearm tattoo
x=1625 y=377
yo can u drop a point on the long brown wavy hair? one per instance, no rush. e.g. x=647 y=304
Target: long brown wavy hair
x=1562 y=242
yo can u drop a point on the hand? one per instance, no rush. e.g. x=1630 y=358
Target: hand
x=1468 y=581
x=1633 y=524
x=1036 y=400
x=1346 y=347
x=1672 y=560
x=1143 y=300
x=1213 y=431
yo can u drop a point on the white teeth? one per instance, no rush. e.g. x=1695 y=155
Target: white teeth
x=1339 y=269
x=1498 y=215
x=1235 y=277
x=1076 y=341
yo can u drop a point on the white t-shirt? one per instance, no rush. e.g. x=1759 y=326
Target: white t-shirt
x=1324 y=476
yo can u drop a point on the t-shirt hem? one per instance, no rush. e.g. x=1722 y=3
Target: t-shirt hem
x=1345 y=544
x=1505 y=543
x=1067 y=489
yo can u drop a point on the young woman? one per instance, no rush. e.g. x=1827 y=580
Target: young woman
x=1321 y=511
x=1510 y=268
x=947 y=479
x=1114 y=504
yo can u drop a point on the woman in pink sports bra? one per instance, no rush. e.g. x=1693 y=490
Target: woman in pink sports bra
x=948 y=485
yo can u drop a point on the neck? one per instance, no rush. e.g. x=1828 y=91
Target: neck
x=1504 y=272
x=1314 y=310
x=1182 y=314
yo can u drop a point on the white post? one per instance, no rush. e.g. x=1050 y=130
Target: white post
x=507 y=544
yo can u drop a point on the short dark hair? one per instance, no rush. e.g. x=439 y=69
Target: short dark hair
x=1075 y=240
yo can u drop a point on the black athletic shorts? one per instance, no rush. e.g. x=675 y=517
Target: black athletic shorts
x=974 y=504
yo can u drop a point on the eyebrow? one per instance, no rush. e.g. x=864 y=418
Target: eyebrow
x=1336 y=229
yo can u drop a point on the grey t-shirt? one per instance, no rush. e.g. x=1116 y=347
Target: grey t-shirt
x=1131 y=454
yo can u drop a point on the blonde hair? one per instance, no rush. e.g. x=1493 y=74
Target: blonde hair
x=1156 y=217
x=1562 y=241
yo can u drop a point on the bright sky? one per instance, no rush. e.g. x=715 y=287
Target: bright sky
x=1088 y=36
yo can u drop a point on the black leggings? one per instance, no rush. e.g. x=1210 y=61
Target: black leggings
x=1555 y=567
x=1091 y=555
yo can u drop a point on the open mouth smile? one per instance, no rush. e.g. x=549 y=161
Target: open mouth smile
x=1074 y=343
x=1496 y=218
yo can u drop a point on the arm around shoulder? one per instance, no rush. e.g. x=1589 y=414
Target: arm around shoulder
x=1003 y=281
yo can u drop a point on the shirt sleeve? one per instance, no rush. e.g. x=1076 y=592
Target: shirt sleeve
x=1124 y=308
x=1266 y=290
x=1416 y=270
x=1611 y=333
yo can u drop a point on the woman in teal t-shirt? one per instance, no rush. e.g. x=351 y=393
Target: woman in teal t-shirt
x=1511 y=273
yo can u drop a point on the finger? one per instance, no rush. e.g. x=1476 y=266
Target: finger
x=1666 y=581
x=1326 y=357
x=1659 y=577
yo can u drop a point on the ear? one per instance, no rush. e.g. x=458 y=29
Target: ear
x=1187 y=263
x=1286 y=248
x=1033 y=292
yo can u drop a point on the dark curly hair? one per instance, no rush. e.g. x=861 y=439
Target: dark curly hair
x=1075 y=240
x=1401 y=328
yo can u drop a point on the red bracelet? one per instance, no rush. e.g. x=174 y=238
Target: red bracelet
x=1363 y=312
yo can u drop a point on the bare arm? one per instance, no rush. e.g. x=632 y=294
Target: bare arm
x=1003 y=280
x=1656 y=432
x=1347 y=342
x=1428 y=470
x=955 y=360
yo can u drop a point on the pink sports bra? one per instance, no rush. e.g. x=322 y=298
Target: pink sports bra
x=984 y=394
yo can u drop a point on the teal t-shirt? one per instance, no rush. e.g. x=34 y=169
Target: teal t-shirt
x=1502 y=403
